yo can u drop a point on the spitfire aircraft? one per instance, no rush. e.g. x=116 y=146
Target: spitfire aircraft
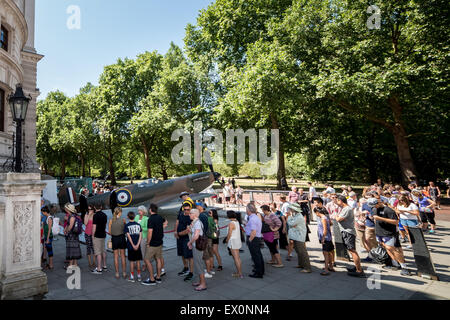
x=163 y=193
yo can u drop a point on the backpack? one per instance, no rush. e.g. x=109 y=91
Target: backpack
x=212 y=229
x=77 y=226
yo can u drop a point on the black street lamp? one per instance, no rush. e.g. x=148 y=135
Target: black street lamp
x=19 y=106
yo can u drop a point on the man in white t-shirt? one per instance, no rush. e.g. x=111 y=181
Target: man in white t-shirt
x=312 y=192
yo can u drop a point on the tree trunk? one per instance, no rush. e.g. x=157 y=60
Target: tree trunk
x=112 y=173
x=164 y=172
x=370 y=156
x=83 y=165
x=63 y=167
x=147 y=158
x=281 y=171
x=407 y=167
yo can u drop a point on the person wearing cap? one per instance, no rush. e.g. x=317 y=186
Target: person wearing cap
x=386 y=222
x=346 y=223
x=298 y=233
x=352 y=200
x=186 y=199
x=73 y=250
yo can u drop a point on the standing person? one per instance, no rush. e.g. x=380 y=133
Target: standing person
x=208 y=252
x=234 y=242
x=233 y=183
x=154 y=245
x=83 y=202
x=99 y=232
x=48 y=236
x=253 y=232
x=409 y=214
x=143 y=221
x=352 y=200
x=298 y=233
x=360 y=226
x=215 y=240
x=116 y=228
x=285 y=231
x=239 y=195
x=346 y=222
x=324 y=235
x=196 y=229
x=88 y=222
x=72 y=232
x=133 y=232
x=293 y=195
x=386 y=222
x=426 y=211
x=284 y=185
x=226 y=194
x=182 y=236
x=272 y=240
x=435 y=194
x=304 y=204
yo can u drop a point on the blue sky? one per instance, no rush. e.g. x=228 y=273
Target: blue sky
x=110 y=29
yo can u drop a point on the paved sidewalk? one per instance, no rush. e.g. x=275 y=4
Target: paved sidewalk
x=278 y=284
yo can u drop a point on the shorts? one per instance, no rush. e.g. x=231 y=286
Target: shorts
x=349 y=240
x=272 y=246
x=118 y=242
x=208 y=253
x=215 y=241
x=153 y=253
x=390 y=241
x=182 y=248
x=89 y=244
x=371 y=239
x=99 y=246
x=409 y=222
x=134 y=255
x=400 y=226
x=427 y=217
x=49 y=247
x=361 y=236
x=328 y=246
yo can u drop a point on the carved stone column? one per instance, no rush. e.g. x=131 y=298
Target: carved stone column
x=21 y=274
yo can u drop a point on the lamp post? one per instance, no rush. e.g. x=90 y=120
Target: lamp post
x=19 y=106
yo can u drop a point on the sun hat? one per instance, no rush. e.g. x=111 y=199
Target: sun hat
x=295 y=207
x=70 y=207
x=184 y=193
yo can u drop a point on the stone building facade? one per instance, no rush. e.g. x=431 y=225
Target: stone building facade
x=18 y=64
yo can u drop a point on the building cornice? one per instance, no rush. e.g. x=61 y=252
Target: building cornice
x=12 y=63
x=31 y=56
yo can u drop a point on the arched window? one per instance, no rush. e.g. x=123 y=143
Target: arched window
x=2 y=110
x=4 y=38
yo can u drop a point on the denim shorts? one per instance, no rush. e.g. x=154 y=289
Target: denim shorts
x=389 y=241
x=409 y=222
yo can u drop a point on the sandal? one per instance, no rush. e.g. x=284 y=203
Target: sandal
x=117 y=275
x=324 y=273
x=196 y=284
x=124 y=275
x=219 y=268
x=200 y=289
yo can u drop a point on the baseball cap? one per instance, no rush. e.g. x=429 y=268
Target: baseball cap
x=201 y=204
x=372 y=202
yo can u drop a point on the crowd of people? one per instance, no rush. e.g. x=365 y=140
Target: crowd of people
x=381 y=216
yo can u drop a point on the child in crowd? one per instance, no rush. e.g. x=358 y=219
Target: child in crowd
x=133 y=232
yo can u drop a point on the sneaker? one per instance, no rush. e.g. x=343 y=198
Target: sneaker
x=96 y=271
x=131 y=279
x=148 y=282
x=404 y=240
x=163 y=272
x=351 y=269
x=158 y=280
x=211 y=272
x=392 y=268
x=189 y=276
x=405 y=272
x=366 y=259
x=278 y=265
x=431 y=231
x=408 y=246
x=208 y=275
x=105 y=268
x=139 y=278
x=184 y=272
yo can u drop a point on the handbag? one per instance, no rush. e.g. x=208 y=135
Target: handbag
x=202 y=241
x=265 y=228
x=380 y=255
x=268 y=236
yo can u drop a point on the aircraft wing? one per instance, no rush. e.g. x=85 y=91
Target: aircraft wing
x=175 y=204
